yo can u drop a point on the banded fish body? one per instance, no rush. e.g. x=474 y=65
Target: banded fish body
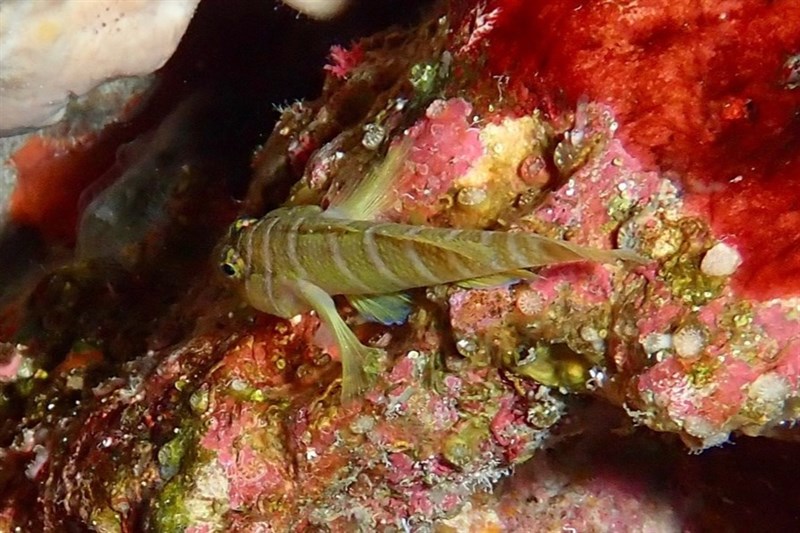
x=295 y=258
x=354 y=257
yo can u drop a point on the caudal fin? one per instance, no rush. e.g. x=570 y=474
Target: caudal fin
x=537 y=250
x=605 y=256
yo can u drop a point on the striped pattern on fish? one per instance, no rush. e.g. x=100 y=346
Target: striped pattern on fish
x=277 y=258
x=360 y=257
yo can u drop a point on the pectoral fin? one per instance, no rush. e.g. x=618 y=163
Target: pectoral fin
x=354 y=354
x=496 y=280
x=386 y=309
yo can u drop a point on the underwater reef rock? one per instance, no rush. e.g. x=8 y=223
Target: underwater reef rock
x=696 y=91
x=149 y=397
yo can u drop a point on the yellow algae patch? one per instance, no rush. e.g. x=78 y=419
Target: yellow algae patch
x=506 y=145
x=495 y=179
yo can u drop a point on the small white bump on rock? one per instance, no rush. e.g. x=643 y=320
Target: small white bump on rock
x=721 y=260
x=770 y=388
x=655 y=342
x=592 y=336
x=703 y=429
x=689 y=342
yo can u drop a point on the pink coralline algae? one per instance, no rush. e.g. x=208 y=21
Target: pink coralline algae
x=402 y=455
x=241 y=439
x=445 y=147
x=344 y=61
x=692 y=350
x=11 y=361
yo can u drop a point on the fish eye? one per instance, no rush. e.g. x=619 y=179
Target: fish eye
x=229 y=270
x=231 y=265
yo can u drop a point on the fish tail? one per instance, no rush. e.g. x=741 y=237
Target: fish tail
x=525 y=250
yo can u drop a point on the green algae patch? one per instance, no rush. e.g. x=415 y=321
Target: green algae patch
x=197 y=497
x=463 y=448
x=105 y=520
x=171 y=454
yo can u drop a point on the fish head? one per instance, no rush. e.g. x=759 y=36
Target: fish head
x=234 y=251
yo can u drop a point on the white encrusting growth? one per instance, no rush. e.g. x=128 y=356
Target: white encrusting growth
x=770 y=389
x=655 y=342
x=689 y=342
x=592 y=336
x=721 y=260
x=702 y=428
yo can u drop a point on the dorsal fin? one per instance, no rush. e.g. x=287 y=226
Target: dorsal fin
x=469 y=250
x=364 y=199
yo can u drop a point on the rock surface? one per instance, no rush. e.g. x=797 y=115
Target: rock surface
x=145 y=395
